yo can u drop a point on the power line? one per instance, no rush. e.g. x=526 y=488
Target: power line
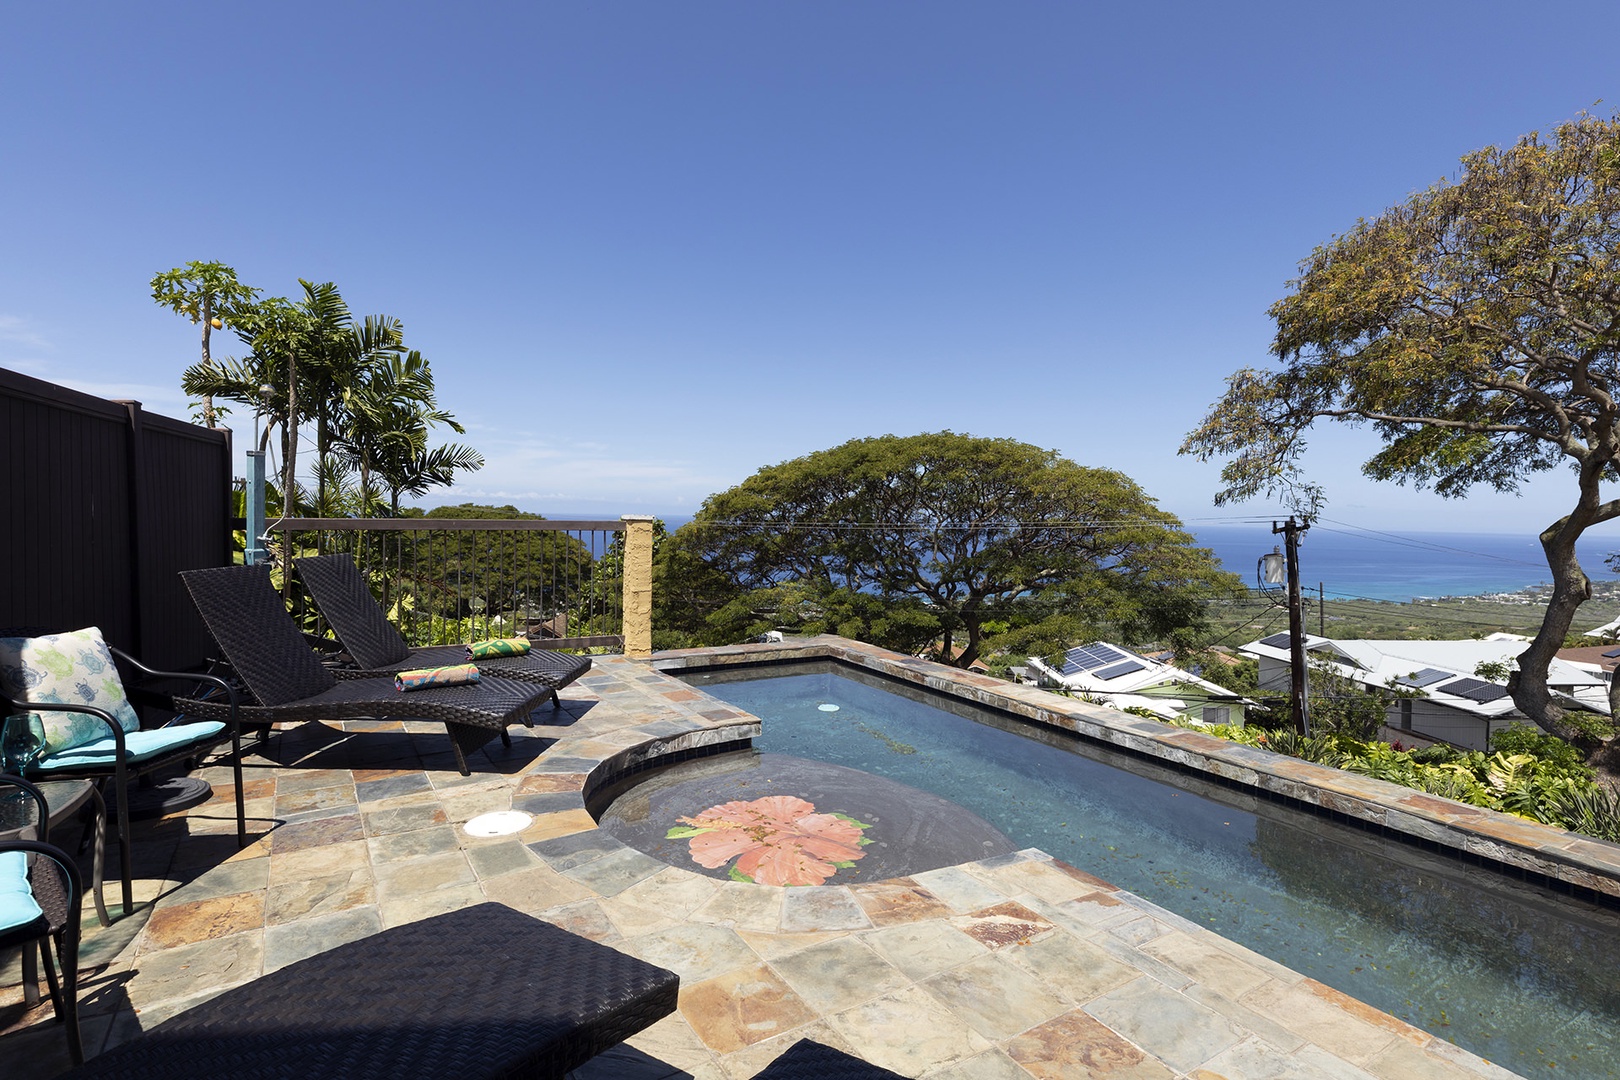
x=1426 y=545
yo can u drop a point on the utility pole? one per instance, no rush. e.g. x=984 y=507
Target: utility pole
x=1296 y=623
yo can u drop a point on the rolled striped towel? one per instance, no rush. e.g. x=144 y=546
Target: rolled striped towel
x=512 y=646
x=422 y=678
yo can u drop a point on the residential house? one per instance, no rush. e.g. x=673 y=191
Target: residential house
x=1444 y=697
x=1124 y=679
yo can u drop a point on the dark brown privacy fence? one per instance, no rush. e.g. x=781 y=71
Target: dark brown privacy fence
x=102 y=504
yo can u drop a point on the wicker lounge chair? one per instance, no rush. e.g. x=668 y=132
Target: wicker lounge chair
x=363 y=629
x=808 y=1060
x=263 y=647
x=485 y=991
x=40 y=897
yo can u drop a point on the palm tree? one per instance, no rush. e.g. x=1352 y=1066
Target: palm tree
x=342 y=359
x=391 y=415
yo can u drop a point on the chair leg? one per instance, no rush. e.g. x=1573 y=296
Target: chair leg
x=30 y=973
x=241 y=796
x=98 y=860
x=126 y=863
x=50 y=978
x=65 y=996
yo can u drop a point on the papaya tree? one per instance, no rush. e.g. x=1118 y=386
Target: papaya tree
x=209 y=295
x=1476 y=329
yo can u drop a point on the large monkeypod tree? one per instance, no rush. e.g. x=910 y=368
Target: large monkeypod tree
x=1476 y=327
x=904 y=541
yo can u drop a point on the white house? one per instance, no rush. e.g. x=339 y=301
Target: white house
x=1443 y=699
x=1123 y=679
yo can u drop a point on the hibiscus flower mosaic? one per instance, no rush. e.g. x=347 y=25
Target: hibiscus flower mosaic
x=777 y=840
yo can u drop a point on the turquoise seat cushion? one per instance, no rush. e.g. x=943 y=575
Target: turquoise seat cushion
x=139 y=745
x=66 y=669
x=17 y=906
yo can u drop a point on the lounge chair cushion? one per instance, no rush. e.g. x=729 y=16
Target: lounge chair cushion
x=17 y=904
x=71 y=669
x=138 y=745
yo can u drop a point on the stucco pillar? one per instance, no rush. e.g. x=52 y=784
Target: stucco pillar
x=638 y=584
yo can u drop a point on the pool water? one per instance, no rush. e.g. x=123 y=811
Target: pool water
x=1515 y=973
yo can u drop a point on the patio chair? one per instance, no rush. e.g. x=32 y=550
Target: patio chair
x=363 y=629
x=482 y=992
x=71 y=687
x=41 y=893
x=287 y=683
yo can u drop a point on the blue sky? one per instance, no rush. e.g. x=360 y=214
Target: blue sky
x=650 y=248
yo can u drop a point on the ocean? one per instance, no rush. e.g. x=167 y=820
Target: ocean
x=1352 y=563
x=1355 y=563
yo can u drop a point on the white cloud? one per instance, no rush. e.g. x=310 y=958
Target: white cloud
x=545 y=476
x=165 y=400
x=15 y=331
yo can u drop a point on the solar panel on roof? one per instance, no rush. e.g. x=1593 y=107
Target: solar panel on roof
x=1089 y=657
x=1425 y=677
x=1119 y=669
x=1611 y=654
x=1278 y=641
x=1475 y=690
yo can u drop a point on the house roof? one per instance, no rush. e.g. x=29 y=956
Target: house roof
x=1119 y=676
x=1605 y=657
x=1441 y=670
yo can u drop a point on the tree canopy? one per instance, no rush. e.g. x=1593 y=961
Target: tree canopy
x=538 y=573
x=1476 y=328
x=371 y=400
x=946 y=538
x=208 y=294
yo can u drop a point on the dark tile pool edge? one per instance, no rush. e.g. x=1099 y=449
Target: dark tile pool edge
x=1580 y=866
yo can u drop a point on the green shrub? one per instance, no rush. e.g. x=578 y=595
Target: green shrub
x=1438 y=754
x=1591 y=727
x=1593 y=810
x=1528 y=773
x=1524 y=739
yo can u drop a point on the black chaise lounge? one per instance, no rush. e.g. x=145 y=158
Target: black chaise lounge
x=363 y=629
x=807 y=1060
x=287 y=683
x=482 y=992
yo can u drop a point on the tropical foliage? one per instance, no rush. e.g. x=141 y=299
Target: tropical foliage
x=523 y=575
x=937 y=538
x=1476 y=328
x=1527 y=772
x=370 y=399
x=209 y=295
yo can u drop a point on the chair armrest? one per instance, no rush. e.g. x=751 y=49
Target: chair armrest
x=192 y=676
x=62 y=706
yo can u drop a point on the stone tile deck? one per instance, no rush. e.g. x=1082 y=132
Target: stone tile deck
x=1014 y=967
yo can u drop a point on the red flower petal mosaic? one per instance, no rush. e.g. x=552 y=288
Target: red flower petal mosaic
x=777 y=840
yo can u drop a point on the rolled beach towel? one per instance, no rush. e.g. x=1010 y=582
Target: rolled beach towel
x=423 y=678
x=512 y=646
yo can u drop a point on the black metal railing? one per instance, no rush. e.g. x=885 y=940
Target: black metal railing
x=447 y=580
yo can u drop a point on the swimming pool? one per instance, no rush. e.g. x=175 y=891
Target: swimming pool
x=1506 y=969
